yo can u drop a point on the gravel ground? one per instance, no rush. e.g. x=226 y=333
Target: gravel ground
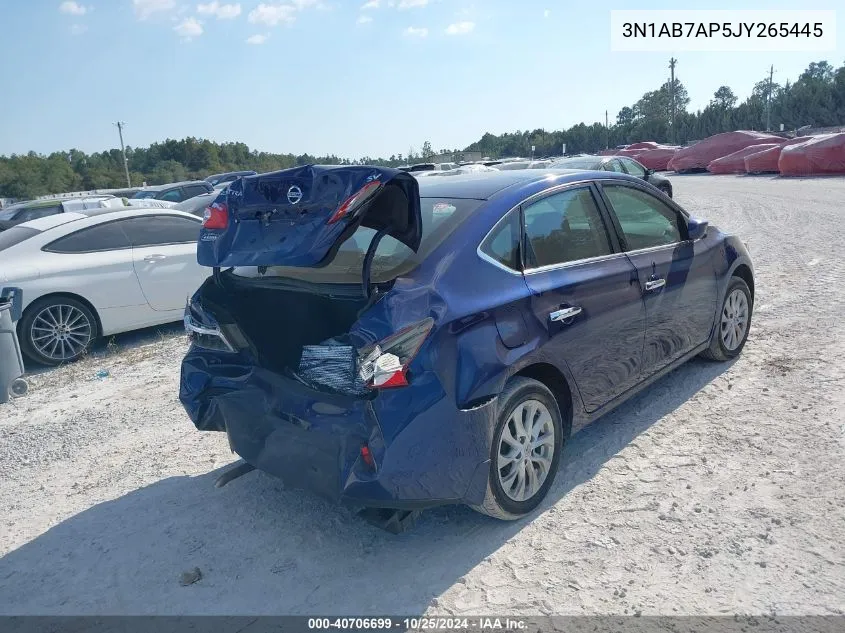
x=719 y=490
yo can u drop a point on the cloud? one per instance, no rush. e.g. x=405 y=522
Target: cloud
x=547 y=13
x=257 y=39
x=78 y=29
x=416 y=32
x=273 y=14
x=460 y=28
x=410 y=4
x=305 y=4
x=72 y=8
x=222 y=11
x=364 y=19
x=146 y=8
x=372 y=4
x=188 y=28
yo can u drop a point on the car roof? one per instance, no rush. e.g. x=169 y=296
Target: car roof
x=483 y=185
x=173 y=185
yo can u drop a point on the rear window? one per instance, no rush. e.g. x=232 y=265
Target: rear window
x=440 y=217
x=144 y=194
x=15 y=235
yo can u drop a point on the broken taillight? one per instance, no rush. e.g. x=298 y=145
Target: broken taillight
x=356 y=200
x=216 y=216
x=385 y=365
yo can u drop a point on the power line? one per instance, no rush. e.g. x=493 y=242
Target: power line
x=120 y=125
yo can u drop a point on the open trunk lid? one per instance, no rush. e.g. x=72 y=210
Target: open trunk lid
x=301 y=216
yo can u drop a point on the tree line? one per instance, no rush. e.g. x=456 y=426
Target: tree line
x=816 y=98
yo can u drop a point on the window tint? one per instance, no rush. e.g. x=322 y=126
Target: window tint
x=103 y=237
x=565 y=227
x=174 y=195
x=195 y=190
x=645 y=220
x=157 y=230
x=41 y=212
x=633 y=167
x=613 y=165
x=502 y=245
x=15 y=235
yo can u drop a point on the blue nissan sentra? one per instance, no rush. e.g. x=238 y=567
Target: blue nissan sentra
x=390 y=343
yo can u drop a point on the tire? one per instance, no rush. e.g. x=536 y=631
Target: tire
x=508 y=506
x=72 y=322
x=719 y=349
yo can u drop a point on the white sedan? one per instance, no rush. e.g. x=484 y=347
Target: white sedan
x=97 y=273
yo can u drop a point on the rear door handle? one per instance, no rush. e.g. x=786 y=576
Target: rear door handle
x=154 y=258
x=564 y=313
x=654 y=284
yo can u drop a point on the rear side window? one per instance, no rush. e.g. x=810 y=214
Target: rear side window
x=565 y=227
x=40 y=212
x=158 y=230
x=15 y=235
x=103 y=237
x=196 y=190
x=174 y=195
x=502 y=245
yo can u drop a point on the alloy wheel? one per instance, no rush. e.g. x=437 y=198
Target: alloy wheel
x=526 y=450
x=61 y=332
x=734 y=319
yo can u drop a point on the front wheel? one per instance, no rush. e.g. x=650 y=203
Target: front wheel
x=525 y=452
x=731 y=331
x=57 y=330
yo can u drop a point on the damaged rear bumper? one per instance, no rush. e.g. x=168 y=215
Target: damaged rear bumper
x=426 y=452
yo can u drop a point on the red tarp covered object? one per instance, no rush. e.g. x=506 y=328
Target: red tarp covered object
x=735 y=163
x=701 y=154
x=824 y=154
x=643 y=145
x=767 y=160
x=657 y=159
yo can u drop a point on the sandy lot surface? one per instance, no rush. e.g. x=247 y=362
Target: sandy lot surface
x=720 y=490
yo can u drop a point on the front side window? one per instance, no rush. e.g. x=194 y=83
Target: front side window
x=103 y=237
x=502 y=245
x=613 y=165
x=565 y=227
x=646 y=222
x=633 y=167
x=158 y=230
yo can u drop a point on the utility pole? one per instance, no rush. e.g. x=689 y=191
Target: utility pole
x=672 y=62
x=607 y=130
x=120 y=125
x=769 y=100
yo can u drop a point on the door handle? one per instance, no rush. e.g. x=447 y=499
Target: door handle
x=654 y=284
x=154 y=258
x=564 y=313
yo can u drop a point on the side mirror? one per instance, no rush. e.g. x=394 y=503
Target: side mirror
x=697 y=228
x=648 y=172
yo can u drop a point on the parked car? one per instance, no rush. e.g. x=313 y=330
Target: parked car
x=229 y=176
x=176 y=191
x=450 y=361
x=96 y=274
x=198 y=204
x=524 y=164
x=34 y=209
x=618 y=164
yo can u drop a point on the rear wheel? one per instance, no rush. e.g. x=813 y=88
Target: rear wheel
x=525 y=452
x=734 y=322
x=57 y=330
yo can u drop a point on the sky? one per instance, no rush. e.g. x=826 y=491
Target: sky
x=346 y=77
